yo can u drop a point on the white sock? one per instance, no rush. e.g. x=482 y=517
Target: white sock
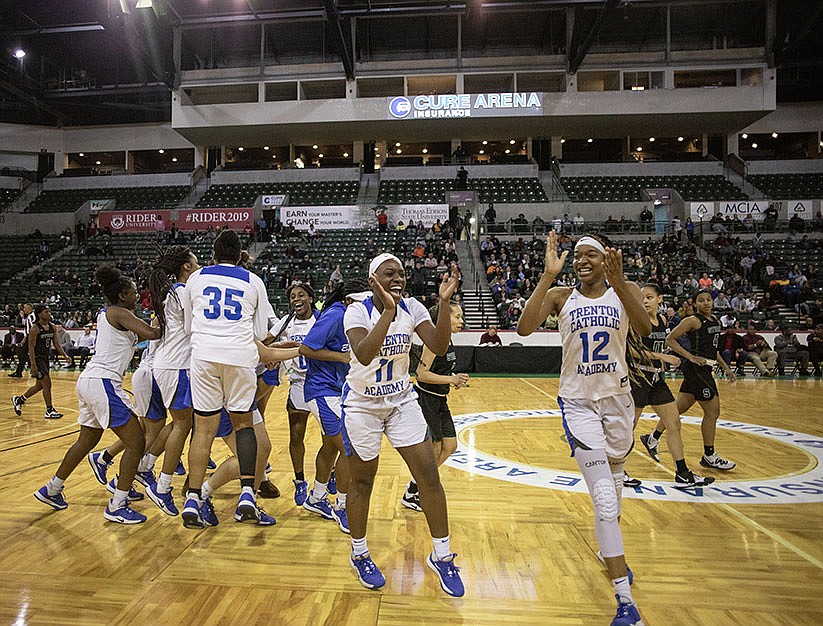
x=147 y=463
x=206 y=490
x=341 y=500
x=249 y=490
x=319 y=491
x=442 y=548
x=359 y=547
x=622 y=589
x=55 y=485
x=119 y=499
x=164 y=483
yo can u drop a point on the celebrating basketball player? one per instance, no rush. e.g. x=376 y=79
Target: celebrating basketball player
x=594 y=395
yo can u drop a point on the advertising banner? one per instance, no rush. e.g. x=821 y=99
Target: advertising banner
x=100 y=205
x=741 y=208
x=323 y=217
x=202 y=219
x=426 y=213
x=802 y=208
x=132 y=221
x=464 y=105
x=273 y=201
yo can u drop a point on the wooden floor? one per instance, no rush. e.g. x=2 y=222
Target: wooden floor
x=527 y=552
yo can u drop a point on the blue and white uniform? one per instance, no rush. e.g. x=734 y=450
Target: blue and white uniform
x=379 y=397
x=595 y=393
x=225 y=308
x=102 y=401
x=296 y=368
x=148 y=401
x=270 y=377
x=324 y=379
x=173 y=355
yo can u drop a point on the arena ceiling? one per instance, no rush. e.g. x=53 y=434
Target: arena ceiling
x=113 y=61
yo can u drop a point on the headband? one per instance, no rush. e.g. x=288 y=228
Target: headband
x=359 y=296
x=590 y=241
x=380 y=259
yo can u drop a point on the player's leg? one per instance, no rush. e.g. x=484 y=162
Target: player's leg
x=134 y=442
x=239 y=389
x=708 y=428
x=51 y=492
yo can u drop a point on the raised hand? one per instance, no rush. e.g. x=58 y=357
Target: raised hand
x=613 y=266
x=460 y=380
x=385 y=297
x=554 y=263
x=449 y=283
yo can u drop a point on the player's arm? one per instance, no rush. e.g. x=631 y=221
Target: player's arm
x=728 y=370
x=366 y=342
x=323 y=355
x=628 y=292
x=425 y=375
x=263 y=311
x=437 y=338
x=314 y=343
x=274 y=354
x=185 y=304
x=544 y=299
x=34 y=333
x=688 y=325
x=124 y=319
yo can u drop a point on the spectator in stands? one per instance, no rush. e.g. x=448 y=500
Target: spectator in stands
x=382 y=221
x=705 y=282
x=401 y=227
x=491 y=214
x=728 y=319
x=689 y=229
x=13 y=345
x=579 y=223
x=467 y=225
x=732 y=348
x=770 y=217
x=646 y=219
x=788 y=346
x=741 y=303
x=672 y=318
x=490 y=337
x=796 y=224
x=336 y=276
x=818 y=222
x=611 y=224
x=721 y=302
x=462 y=179
x=460 y=154
x=758 y=350
x=85 y=344
x=814 y=343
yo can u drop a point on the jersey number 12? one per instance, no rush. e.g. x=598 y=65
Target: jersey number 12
x=602 y=340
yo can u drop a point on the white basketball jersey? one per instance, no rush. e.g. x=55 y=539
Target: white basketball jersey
x=297 y=331
x=593 y=333
x=113 y=351
x=147 y=359
x=388 y=373
x=226 y=309
x=173 y=351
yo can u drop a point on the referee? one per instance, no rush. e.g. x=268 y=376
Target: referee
x=28 y=322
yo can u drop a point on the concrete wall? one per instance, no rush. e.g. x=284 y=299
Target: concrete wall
x=27 y=223
x=642 y=169
x=105 y=182
x=10 y=182
x=591 y=211
x=393 y=172
x=800 y=117
x=225 y=177
x=788 y=166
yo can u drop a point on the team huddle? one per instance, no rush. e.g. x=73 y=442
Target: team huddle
x=216 y=350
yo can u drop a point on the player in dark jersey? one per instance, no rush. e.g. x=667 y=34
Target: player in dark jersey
x=703 y=331
x=41 y=338
x=435 y=375
x=649 y=388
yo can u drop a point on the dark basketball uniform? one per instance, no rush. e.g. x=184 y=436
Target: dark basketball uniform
x=433 y=398
x=650 y=388
x=698 y=380
x=42 y=346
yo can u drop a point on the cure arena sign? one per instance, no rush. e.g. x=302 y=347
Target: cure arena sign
x=464 y=105
x=797 y=488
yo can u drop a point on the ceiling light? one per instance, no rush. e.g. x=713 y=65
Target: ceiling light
x=399 y=151
x=320 y=156
x=143 y=4
x=274 y=156
x=173 y=159
x=485 y=142
x=314 y=147
x=265 y=147
x=639 y=149
x=19 y=53
x=511 y=141
x=376 y=148
x=346 y=154
x=240 y=148
x=562 y=141
x=425 y=150
x=754 y=145
x=821 y=144
x=590 y=140
x=161 y=151
x=651 y=138
x=482 y=152
x=81 y=154
x=745 y=135
x=377 y=155
x=98 y=162
x=507 y=151
x=397 y=145
x=680 y=139
x=774 y=135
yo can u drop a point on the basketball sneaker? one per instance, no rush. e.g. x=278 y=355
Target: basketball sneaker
x=367 y=572
x=716 y=462
x=268 y=468
x=629 y=572
x=180 y=470
x=332 y=486
x=133 y=493
x=691 y=480
x=191 y=513
x=211 y=464
x=627 y=614
x=651 y=446
x=301 y=491
x=207 y=513
x=52 y=414
x=98 y=467
x=246 y=511
x=164 y=501
x=342 y=518
x=265 y=518
x=411 y=501
x=448 y=573
x=56 y=501
x=319 y=507
x=268 y=490
x=124 y=515
x=145 y=478
x=630 y=482
x=17 y=402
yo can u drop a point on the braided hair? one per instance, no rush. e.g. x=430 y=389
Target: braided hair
x=113 y=282
x=169 y=263
x=338 y=294
x=636 y=352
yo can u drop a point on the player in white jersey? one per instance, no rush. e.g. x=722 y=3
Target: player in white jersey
x=226 y=310
x=103 y=403
x=378 y=399
x=595 y=393
x=301 y=301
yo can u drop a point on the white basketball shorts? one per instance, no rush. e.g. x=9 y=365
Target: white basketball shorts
x=217 y=385
x=102 y=403
x=605 y=424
